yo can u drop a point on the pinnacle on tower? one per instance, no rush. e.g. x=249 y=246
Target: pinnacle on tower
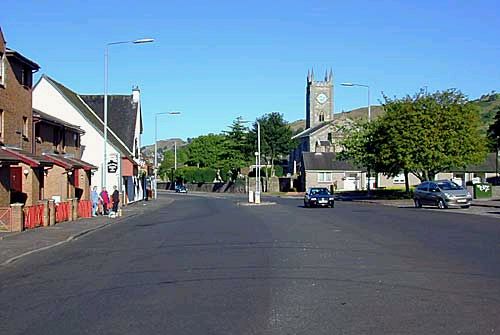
x=326 y=75
x=330 y=76
x=308 y=75
x=312 y=74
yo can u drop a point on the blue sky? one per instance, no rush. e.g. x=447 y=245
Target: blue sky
x=216 y=60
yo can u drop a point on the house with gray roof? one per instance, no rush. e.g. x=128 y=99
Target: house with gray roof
x=124 y=131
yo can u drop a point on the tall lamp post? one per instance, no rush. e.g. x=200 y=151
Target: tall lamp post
x=106 y=52
x=369 y=116
x=156 y=146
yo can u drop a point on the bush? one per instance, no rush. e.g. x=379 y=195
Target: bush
x=192 y=174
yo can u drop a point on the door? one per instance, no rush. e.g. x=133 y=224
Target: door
x=16 y=178
x=433 y=195
x=76 y=176
x=351 y=182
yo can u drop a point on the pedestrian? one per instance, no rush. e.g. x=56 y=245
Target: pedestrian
x=94 y=197
x=115 y=197
x=105 y=201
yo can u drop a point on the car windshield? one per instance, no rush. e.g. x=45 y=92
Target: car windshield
x=449 y=186
x=319 y=191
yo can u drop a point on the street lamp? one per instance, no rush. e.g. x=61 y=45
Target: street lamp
x=369 y=117
x=156 y=146
x=368 y=88
x=106 y=52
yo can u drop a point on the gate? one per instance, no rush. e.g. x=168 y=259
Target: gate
x=84 y=209
x=5 y=218
x=33 y=216
x=63 y=211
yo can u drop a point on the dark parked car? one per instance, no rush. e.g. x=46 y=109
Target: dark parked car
x=441 y=193
x=180 y=189
x=318 y=196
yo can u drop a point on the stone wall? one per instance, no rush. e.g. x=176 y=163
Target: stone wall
x=206 y=187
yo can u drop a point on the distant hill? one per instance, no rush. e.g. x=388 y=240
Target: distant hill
x=487 y=104
x=355 y=114
x=163 y=145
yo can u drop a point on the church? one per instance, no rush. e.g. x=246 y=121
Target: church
x=313 y=162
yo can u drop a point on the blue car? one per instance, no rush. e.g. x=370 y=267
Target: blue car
x=180 y=189
x=318 y=196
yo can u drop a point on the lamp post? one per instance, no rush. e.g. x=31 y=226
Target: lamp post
x=106 y=52
x=369 y=117
x=156 y=146
x=257 y=164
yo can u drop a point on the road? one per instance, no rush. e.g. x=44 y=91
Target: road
x=206 y=265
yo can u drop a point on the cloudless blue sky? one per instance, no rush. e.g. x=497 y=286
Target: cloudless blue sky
x=216 y=60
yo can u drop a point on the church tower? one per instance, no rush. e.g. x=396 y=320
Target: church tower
x=319 y=99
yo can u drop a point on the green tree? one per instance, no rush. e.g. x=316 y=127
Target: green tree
x=276 y=137
x=240 y=150
x=168 y=162
x=208 y=151
x=430 y=133
x=494 y=131
x=422 y=134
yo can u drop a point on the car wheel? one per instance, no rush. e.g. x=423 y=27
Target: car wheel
x=418 y=204
x=306 y=204
x=332 y=205
x=441 y=204
x=466 y=206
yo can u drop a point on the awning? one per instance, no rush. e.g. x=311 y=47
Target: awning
x=27 y=157
x=8 y=158
x=70 y=163
x=84 y=165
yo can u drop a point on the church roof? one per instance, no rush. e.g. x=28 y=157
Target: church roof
x=312 y=130
x=326 y=161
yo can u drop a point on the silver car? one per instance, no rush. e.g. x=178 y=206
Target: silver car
x=441 y=193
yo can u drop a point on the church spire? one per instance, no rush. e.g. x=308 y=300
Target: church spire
x=330 y=76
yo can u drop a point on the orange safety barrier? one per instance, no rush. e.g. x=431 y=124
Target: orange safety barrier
x=84 y=209
x=33 y=216
x=63 y=211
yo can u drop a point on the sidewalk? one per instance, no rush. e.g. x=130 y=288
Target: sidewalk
x=16 y=245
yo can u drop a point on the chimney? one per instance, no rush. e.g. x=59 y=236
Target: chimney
x=136 y=94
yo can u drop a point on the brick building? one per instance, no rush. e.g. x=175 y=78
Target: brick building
x=21 y=171
x=59 y=142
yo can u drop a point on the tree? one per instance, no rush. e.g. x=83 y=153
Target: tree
x=423 y=134
x=494 y=130
x=276 y=137
x=240 y=150
x=430 y=133
x=494 y=136
x=168 y=162
x=208 y=151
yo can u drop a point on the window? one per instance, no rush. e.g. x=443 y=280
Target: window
x=321 y=118
x=2 y=69
x=324 y=177
x=1 y=123
x=399 y=179
x=330 y=137
x=25 y=126
x=423 y=187
x=25 y=77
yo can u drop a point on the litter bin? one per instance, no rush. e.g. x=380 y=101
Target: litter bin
x=482 y=191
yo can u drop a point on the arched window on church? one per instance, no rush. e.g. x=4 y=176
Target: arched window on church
x=321 y=117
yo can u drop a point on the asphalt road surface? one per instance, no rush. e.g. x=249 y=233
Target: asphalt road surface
x=209 y=266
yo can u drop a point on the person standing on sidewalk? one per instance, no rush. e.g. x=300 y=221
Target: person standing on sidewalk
x=105 y=201
x=94 y=197
x=115 y=197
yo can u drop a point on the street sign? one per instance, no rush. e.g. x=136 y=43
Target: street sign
x=112 y=166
